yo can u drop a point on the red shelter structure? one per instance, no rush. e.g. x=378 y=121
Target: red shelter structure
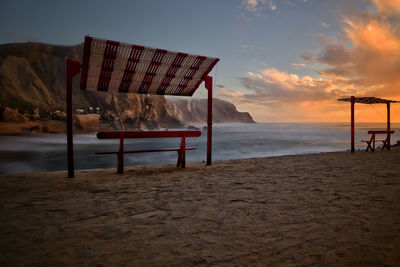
x=128 y=68
x=368 y=100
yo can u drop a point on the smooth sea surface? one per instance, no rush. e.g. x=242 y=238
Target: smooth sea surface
x=48 y=152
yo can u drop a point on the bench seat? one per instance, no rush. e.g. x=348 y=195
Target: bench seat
x=145 y=150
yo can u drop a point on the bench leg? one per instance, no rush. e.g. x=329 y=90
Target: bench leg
x=369 y=146
x=120 y=168
x=120 y=155
x=373 y=142
x=385 y=145
x=178 y=162
x=182 y=154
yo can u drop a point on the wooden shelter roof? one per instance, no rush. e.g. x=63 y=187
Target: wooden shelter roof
x=369 y=100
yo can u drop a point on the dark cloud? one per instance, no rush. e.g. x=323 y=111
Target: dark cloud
x=308 y=57
x=335 y=54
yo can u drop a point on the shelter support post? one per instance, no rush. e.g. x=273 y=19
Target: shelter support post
x=388 y=125
x=353 y=100
x=208 y=85
x=73 y=68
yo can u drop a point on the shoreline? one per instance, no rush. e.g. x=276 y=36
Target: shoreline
x=188 y=163
x=333 y=208
x=197 y=163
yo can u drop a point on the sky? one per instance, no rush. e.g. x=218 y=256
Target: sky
x=280 y=60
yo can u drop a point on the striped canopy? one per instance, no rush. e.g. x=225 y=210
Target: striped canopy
x=109 y=65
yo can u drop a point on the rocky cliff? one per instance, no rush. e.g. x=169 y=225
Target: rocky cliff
x=32 y=82
x=195 y=111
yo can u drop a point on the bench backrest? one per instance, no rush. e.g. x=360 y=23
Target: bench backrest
x=380 y=132
x=147 y=134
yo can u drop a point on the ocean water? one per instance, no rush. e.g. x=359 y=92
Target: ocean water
x=48 y=152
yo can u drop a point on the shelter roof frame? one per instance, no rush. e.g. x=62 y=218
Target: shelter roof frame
x=129 y=68
x=368 y=100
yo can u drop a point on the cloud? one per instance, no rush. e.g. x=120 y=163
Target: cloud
x=335 y=54
x=325 y=25
x=308 y=57
x=272 y=86
x=388 y=6
x=250 y=5
x=362 y=60
x=275 y=95
x=298 y=65
x=373 y=61
x=254 y=6
x=228 y=93
x=368 y=55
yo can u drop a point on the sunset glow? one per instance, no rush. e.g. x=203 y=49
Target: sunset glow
x=362 y=60
x=280 y=60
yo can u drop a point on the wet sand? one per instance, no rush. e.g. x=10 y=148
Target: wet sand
x=323 y=209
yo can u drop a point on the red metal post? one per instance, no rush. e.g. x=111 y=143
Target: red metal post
x=388 y=125
x=353 y=100
x=73 y=68
x=208 y=85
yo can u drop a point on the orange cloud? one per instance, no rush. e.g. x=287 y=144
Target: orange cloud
x=366 y=63
x=374 y=35
x=388 y=6
x=224 y=92
x=373 y=64
x=280 y=96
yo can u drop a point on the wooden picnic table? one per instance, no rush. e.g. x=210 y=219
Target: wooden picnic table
x=385 y=142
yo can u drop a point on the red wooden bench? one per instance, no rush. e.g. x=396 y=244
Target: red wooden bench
x=385 y=142
x=148 y=134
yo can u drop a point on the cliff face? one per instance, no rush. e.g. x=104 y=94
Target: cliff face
x=32 y=81
x=195 y=111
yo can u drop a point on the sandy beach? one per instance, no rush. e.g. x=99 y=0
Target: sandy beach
x=328 y=209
